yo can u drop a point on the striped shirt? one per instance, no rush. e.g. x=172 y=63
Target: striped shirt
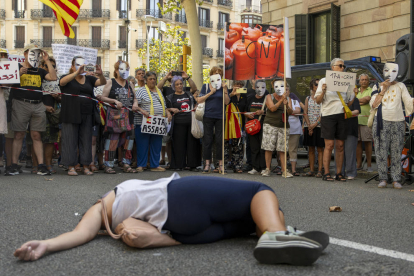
x=144 y=102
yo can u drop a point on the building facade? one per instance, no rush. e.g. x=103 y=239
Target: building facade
x=101 y=25
x=320 y=30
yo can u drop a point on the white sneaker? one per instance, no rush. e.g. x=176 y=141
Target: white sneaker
x=288 y=174
x=266 y=172
x=286 y=248
x=370 y=170
x=253 y=172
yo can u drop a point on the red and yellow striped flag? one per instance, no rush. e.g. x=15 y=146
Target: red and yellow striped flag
x=66 y=12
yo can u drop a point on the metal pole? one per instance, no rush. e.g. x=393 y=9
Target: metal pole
x=148 y=42
x=127 y=31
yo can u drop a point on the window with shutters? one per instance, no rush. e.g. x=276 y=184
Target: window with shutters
x=20 y=37
x=97 y=8
x=19 y=8
x=204 y=17
x=73 y=41
x=251 y=19
x=47 y=11
x=47 y=36
x=98 y=60
x=122 y=37
x=223 y=19
x=121 y=7
x=96 y=36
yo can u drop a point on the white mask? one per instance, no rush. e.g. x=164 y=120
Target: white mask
x=390 y=71
x=123 y=71
x=279 y=87
x=78 y=63
x=215 y=81
x=260 y=88
x=34 y=57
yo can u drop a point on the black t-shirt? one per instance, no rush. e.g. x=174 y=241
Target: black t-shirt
x=181 y=102
x=73 y=107
x=353 y=122
x=250 y=92
x=241 y=103
x=167 y=90
x=254 y=104
x=48 y=100
x=32 y=80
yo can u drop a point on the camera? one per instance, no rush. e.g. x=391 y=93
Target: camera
x=176 y=73
x=90 y=68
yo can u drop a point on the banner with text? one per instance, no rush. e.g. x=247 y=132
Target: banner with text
x=340 y=81
x=64 y=53
x=16 y=58
x=154 y=125
x=9 y=72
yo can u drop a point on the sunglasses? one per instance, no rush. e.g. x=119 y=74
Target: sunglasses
x=340 y=66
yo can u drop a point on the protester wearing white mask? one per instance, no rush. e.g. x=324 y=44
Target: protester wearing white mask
x=254 y=105
x=212 y=95
x=388 y=128
x=119 y=92
x=273 y=126
x=78 y=115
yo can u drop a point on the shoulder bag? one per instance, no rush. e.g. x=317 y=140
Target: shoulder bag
x=199 y=113
x=118 y=120
x=347 y=111
x=253 y=126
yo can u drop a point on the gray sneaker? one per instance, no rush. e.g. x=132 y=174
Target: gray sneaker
x=284 y=247
x=397 y=185
x=382 y=184
x=266 y=172
x=318 y=236
x=370 y=170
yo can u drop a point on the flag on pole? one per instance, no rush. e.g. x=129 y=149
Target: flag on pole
x=66 y=12
x=288 y=71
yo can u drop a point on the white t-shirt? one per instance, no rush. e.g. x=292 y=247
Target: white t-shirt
x=142 y=199
x=294 y=121
x=331 y=104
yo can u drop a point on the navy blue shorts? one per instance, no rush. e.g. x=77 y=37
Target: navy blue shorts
x=207 y=209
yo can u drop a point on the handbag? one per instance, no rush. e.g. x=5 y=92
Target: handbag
x=347 y=111
x=253 y=126
x=199 y=113
x=371 y=117
x=197 y=129
x=137 y=233
x=54 y=117
x=117 y=121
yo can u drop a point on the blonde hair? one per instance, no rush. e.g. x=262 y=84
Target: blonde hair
x=116 y=66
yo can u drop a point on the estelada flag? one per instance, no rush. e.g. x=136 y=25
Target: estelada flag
x=66 y=12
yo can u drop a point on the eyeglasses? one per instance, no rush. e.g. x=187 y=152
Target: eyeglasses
x=340 y=65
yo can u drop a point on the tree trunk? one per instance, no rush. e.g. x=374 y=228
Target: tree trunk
x=195 y=40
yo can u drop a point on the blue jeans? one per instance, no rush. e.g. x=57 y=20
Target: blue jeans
x=148 y=142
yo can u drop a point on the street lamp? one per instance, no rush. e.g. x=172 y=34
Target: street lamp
x=148 y=18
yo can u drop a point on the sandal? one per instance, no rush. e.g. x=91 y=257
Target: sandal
x=34 y=170
x=109 y=170
x=238 y=171
x=128 y=169
x=340 y=177
x=72 y=172
x=207 y=170
x=93 y=168
x=221 y=169
x=50 y=168
x=101 y=167
x=86 y=171
x=327 y=177
x=120 y=164
x=295 y=174
x=78 y=168
x=319 y=174
x=309 y=174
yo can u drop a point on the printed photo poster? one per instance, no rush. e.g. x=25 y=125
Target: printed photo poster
x=254 y=51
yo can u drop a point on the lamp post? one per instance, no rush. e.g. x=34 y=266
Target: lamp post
x=148 y=18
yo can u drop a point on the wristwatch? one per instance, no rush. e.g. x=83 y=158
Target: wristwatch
x=188 y=78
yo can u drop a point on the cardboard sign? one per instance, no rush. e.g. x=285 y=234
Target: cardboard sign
x=340 y=81
x=50 y=86
x=64 y=53
x=154 y=125
x=9 y=72
x=16 y=58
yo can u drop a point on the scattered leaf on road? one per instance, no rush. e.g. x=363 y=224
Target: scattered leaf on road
x=335 y=209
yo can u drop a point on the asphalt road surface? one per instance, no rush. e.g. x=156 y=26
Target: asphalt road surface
x=373 y=235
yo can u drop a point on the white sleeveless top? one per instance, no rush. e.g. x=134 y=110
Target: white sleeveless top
x=142 y=199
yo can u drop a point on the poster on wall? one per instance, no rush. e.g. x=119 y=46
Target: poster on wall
x=255 y=52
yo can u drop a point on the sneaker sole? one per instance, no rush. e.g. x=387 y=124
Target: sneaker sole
x=45 y=173
x=318 y=236
x=288 y=254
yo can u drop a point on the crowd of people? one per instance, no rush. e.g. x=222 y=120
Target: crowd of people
x=89 y=137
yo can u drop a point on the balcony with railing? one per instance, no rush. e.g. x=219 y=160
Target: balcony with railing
x=205 y=24
x=122 y=14
x=221 y=26
x=251 y=8
x=39 y=14
x=140 y=43
x=208 y=2
x=19 y=14
x=19 y=44
x=225 y=3
x=122 y=44
x=94 y=13
x=181 y=19
x=208 y=52
x=2 y=43
x=91 y=43
x=157 y=14
x=2 y=14
x=220 y=53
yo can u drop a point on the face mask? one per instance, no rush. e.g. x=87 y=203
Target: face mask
x=279 y=87
x=260 y=89
x=390 y=71
x=34 y=57
x=215 y=81
x=123 y=72
x=78 y=63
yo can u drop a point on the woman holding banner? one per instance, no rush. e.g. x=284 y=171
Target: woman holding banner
x=150 y=102
x=212 y=95
x=119 y=92
x=77 y=115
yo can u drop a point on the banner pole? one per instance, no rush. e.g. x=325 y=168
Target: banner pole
x=224 y=118
x=286 y=118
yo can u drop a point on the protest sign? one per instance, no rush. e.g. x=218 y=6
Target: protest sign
x=16 y=58
x=9 y=72
x=50 y=86
x=340 y=81
x=154 y=125
x=64 y=53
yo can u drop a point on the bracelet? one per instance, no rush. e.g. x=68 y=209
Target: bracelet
x=188 y=78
